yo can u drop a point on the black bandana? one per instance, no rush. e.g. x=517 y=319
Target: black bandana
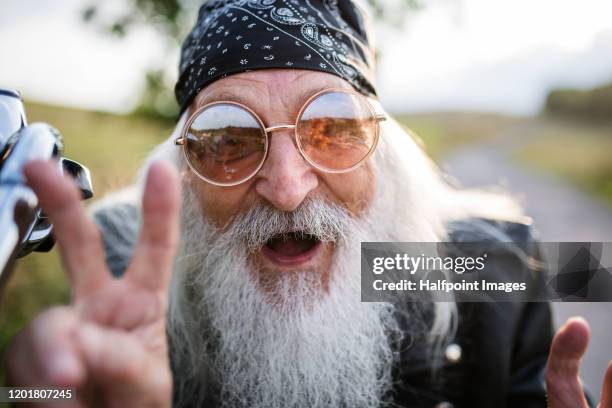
x=232 y=36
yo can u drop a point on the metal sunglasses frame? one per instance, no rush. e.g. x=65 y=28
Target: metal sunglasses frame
x=370 y=102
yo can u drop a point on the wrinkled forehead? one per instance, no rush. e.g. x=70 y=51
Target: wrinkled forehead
x=269 y=88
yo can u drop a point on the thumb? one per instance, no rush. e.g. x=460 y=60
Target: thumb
x=563 y=383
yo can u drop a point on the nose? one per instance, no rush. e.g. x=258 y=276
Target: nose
x=285 y=178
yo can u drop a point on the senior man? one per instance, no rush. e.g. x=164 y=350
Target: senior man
x=286 y=162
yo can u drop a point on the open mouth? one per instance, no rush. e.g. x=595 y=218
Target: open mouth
x=291 y=248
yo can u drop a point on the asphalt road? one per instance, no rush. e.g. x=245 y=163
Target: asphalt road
x=561 y=213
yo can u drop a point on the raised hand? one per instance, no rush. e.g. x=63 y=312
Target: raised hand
x=110 y=342
x=563 y=383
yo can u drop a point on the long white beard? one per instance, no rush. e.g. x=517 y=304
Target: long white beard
x=234 y=344
x=299 y=346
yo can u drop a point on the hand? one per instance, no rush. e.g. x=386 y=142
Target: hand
x=562 y=370
x=110 y=342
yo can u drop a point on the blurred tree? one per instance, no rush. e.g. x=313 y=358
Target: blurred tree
x=173 y=19
x=595 y=103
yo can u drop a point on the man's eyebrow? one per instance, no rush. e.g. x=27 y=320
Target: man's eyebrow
x=226 y=95
x=221 y=96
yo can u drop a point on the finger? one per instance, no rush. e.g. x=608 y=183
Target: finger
x=563 y=383
x=45 y=353
x=120 y=362
x=568 y=347
x=78 y=237
x=606 y=389
x=151 y=264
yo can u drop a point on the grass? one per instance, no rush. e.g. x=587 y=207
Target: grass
x=440 y=133
x=577 y=151
x=112 y=147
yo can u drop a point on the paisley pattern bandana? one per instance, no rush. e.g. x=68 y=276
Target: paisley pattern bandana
x=232 y=36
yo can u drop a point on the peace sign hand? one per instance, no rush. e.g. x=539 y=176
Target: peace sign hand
x=110 y=342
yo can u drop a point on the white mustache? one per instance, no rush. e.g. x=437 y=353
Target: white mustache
x=325 y=221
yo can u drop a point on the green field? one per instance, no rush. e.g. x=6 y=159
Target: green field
x=578 y=151
x=575 y=149
x=440 y=133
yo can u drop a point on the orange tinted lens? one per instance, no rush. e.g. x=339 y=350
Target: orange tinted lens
x=225 y=144
x=337 y=130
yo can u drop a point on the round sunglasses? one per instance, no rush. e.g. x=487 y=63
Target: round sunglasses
x=226 y=143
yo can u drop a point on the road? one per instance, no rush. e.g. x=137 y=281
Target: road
x=560 y=212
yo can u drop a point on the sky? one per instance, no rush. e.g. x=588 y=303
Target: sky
x=488 y=55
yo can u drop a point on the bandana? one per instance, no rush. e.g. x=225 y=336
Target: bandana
x=232 y=36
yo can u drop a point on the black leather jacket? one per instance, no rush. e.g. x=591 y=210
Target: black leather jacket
x=498 y=356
